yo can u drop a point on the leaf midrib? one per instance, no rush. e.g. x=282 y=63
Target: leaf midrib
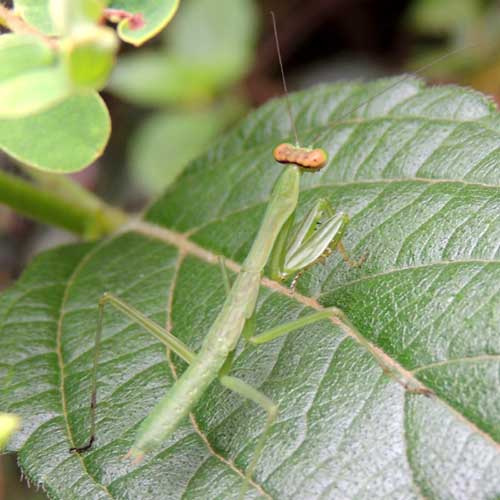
x=187 y=246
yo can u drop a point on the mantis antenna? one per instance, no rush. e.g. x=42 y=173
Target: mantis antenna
x=289 y=153
x=399 y=81
x=307 y=158
x=283 y=79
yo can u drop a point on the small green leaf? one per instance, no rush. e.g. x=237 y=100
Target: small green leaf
x=156 y=14
x=418 y=172
x=64 y=138
x=166 y=142
x=33 y=92
x=22 y=53
x=9 y=424
x=73 y=18
x=30 y=77
x=89 y=58
x=37 y=14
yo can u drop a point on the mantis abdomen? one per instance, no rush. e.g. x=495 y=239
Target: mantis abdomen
x=227 y=327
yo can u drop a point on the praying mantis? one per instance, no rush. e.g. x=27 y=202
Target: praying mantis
x=289 y=248
x=236 y=318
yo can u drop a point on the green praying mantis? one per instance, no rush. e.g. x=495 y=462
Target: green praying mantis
x=288 y=247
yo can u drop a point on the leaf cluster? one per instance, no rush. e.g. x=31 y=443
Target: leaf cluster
x=59 y=54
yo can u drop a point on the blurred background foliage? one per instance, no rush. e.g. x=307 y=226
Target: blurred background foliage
x=186 y=81
x=173 y=97
x=469 y=23
x=211 y=65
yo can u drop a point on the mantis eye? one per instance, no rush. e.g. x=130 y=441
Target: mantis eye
x=309 y=159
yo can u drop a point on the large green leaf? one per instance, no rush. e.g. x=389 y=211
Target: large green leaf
x=418 y=172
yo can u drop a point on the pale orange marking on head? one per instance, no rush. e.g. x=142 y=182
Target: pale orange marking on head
x=136 y=456
x=311 y=159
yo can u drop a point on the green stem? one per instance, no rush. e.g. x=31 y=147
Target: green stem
x=86 y=219
x=65 y=188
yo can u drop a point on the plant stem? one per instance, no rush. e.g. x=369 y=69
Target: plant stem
x=63 y=187
x=86 y=219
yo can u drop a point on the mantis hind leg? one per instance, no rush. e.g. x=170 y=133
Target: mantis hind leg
x=247 y=391
x=412 y=385
x=150 y=326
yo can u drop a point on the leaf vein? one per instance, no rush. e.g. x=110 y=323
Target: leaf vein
x=179 y=240
x=60 y=359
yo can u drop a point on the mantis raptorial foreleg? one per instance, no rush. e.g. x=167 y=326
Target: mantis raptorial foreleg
x=337 y=244
x=348 y=260
x=315 y=237
x=225 y=275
